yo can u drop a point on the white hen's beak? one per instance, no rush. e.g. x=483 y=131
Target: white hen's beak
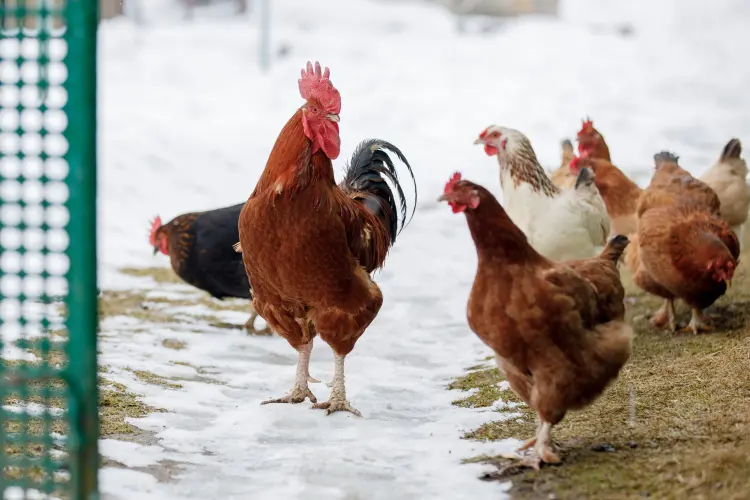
x=479 y=141
x=333 y=118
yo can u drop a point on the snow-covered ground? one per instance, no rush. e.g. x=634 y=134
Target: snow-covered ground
x=187 y=122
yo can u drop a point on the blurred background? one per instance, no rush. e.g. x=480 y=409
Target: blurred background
x=194 y=92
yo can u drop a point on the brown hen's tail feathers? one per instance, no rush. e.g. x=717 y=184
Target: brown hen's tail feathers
x=732 y=150
x=615 y=248
x=666 y=157
x=372 y=180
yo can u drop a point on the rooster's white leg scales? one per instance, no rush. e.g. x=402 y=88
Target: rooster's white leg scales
x=300 y=391
x=337 y=401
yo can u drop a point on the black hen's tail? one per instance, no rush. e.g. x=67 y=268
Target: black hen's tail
x=371 y=178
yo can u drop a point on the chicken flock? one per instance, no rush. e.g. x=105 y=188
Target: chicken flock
x=547 y=296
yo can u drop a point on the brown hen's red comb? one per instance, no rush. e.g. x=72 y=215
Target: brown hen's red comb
x=155 y=225
x=315 y=84
x=452 y=183
x=587 y=127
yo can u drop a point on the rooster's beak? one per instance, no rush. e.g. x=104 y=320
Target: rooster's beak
x=333 y=118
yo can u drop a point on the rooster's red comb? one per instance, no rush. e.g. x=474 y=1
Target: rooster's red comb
x=452 y=183
x=155 y=225
x=315 y=84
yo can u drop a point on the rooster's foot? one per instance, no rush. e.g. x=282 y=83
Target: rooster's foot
x=335 y=405
x=298 y=395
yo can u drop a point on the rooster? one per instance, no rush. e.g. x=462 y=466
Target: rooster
x=199 y=246
x=310 y=245
x=560 y=224
x=557 y=328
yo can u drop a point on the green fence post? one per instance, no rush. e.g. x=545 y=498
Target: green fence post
x=82 y=19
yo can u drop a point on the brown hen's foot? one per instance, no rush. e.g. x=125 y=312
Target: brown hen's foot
x=332 y=406
x=698 y=323
x=532 y=462
x=337 y=401
x=298 y=395
x=665 y=316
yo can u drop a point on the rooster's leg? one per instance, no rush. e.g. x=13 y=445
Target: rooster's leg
x=698 y=323
x=337 y=401
x=665 y=316
x=301 y=390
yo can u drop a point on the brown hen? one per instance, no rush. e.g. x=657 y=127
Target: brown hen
x=684 y=249
x=557 y=328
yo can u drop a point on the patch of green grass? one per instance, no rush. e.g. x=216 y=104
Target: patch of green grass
x=116 y=404
x=484 y=385
x=677 y=418
x=154 y=379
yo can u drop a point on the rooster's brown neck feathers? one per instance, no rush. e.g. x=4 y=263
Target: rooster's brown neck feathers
x=291 y=165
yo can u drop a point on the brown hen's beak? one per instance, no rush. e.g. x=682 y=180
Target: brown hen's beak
x=444 y=197
x=333 y=117
x=479 y=141
x=156 y=249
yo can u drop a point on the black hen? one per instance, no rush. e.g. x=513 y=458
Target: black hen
x=199 y=245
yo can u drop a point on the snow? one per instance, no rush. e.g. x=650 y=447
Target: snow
x=187 y=122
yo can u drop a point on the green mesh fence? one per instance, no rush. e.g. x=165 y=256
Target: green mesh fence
x=48 y=393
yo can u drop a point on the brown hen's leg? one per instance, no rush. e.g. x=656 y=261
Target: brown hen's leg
x=665 y=316
x=301 y=390
x=698 y=323
x=529 y=443
x=542 y=448
x=337 y=401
